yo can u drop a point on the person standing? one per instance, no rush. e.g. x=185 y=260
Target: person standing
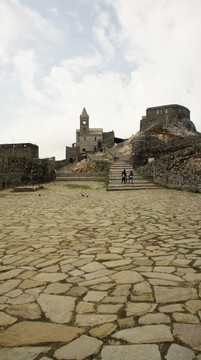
x=123 y=177
x=130 y=178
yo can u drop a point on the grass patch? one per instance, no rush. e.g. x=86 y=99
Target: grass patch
x=76 y=186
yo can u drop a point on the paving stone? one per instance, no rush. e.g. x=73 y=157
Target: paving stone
x=14 y=293
x=35 y=291
x=131 y=352
x=79 y=349
x=33 y=332
x=108 y=308
x=77 y=291
x=189 y=334
x=115 y=300
x=126 y=322
x=95 y=296
x=26 y=311
x=6 y=319
x=163 y=276
x=96 y=281
x=9 y=285
x=22 y=299
x=10 y=274
x=174 y=294
x=56 y=307
x=179 y=352
x=92 y=267
x=29 y=283
x=23 y=353
x=116 y=263
x=108 y=257
x=193 y=278
x=57 y=288
x=97 y=274
x=171 y=308
x=103 y=330
x=102 y=287
x=158 y=318
x=122 y=290
x=49 y=277
x=193 y=306
x=145 y=334
x=136 y=309
x=84 y=307
x=94 y=319
x=127 y=277
x=185 y=318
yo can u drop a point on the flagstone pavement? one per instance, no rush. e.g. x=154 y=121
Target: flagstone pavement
x=91 y=274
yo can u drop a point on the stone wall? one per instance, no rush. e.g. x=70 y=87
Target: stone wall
x=108 y=139
x=15 y=171
x=27 y=150
x=72 y=154
x=179 y=170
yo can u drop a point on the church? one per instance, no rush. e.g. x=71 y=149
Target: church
x=88 y=140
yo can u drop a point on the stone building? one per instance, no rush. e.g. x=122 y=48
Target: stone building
x=88 y=140
x=23 y=150
x=167 y=115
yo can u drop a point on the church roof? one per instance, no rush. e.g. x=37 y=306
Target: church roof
x=84 y=113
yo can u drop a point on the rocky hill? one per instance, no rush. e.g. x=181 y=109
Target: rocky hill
x=169 y=152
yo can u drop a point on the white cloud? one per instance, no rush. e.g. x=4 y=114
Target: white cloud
x=19 y=24
x=82 y=63
x=26 y=68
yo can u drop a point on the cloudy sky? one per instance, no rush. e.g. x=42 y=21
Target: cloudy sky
x=114 y=57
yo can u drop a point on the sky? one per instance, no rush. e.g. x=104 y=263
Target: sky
x=116 y=58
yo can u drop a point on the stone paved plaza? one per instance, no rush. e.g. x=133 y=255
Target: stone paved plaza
x=91 y=274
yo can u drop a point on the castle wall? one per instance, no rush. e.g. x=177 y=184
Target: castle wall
x=16 y=171
x=167 y=114
x=27 y=150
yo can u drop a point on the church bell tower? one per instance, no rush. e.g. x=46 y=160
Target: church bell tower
x=84 y=123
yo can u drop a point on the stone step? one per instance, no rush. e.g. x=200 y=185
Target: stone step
x=134 y=187
x=139 y=183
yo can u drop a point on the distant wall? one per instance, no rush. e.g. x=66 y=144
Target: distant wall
x=27 y=150
x=179 y=170
x=15 y=171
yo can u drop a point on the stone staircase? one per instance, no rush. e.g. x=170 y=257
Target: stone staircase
x=115 y=182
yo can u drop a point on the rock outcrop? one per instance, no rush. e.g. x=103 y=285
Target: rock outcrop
x=168 y=148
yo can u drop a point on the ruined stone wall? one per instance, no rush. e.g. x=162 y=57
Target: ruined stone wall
x=166 y=115
x=27 y=150
x=108 y=139
x=179 y=170
x=15 y=171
